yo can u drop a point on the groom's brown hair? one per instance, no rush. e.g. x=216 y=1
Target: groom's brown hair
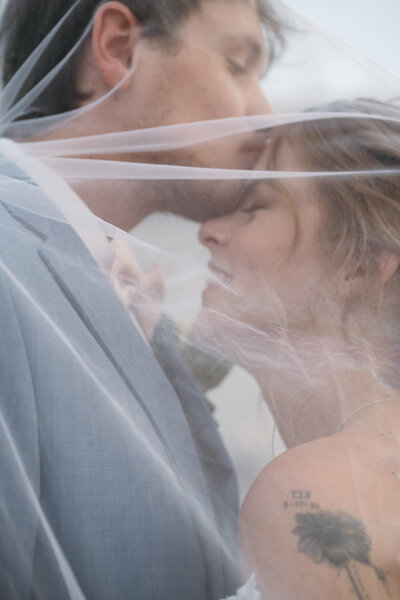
x=25 y=23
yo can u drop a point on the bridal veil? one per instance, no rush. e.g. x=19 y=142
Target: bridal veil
x=44 y=176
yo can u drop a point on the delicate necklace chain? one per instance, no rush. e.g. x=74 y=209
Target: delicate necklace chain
x=300 y=409
x=342 y=424
x=354 y=412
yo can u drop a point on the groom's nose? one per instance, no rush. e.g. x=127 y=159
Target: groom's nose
x=258 y=103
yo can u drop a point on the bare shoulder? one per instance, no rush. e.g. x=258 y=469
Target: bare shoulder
x=303 y=533
x=299 y=474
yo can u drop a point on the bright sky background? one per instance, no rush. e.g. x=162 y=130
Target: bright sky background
x=370 y=26
x=343 y=49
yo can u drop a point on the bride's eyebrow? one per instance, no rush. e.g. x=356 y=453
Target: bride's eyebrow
x=269 y=185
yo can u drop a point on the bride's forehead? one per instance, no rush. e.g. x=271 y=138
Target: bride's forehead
x=281 y=158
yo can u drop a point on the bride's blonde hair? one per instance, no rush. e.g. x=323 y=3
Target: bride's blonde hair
x=360 y=210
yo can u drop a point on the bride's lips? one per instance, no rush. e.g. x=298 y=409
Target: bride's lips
x=219 y=274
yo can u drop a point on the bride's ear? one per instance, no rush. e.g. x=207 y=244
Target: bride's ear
x=388 y=264
x=115 y=33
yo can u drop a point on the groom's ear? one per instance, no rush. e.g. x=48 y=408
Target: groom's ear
x=115 y=33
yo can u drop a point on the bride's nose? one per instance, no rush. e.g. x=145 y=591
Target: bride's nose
x=214 y=232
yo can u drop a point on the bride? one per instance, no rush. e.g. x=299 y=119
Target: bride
x=305 y=295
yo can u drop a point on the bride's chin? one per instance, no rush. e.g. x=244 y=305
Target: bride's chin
x=245 y=343
x=210 y=320
x=226 y=334
x=213 y=328
x=215 y=295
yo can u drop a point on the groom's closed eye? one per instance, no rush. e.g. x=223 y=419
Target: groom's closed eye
x=244 y=54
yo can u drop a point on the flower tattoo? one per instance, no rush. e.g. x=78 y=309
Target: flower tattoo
x=337 y=539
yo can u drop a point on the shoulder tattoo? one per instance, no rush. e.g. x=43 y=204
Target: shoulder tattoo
x=335 y=538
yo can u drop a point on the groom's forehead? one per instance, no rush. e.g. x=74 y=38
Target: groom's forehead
x=237 y=40
x=229 y=15
x=231 y=24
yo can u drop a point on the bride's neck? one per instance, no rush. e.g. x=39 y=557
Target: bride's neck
x=311 y=401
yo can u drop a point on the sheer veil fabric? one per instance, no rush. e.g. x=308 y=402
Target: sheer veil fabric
x=115 y=478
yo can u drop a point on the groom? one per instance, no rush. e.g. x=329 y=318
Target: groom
x=115 y=485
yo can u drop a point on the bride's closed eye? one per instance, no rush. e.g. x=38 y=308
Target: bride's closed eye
x=250 y=209
x=254 y=207
x=257 y=202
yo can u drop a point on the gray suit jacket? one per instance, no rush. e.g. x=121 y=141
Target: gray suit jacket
x=113 y=485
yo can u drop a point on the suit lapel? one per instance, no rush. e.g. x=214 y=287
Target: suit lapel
x=89 y=292
x=92 y=297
